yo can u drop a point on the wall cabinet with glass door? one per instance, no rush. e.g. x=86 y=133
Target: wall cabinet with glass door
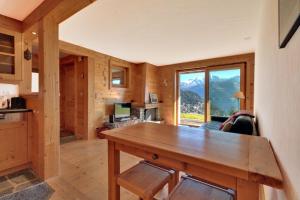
x=10 y=55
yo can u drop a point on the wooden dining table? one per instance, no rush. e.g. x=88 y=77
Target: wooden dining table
x=233 y=161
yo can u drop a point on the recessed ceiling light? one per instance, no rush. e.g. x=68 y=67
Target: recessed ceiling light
x=34 y=33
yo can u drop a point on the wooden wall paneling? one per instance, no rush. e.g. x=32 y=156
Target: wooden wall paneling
x=62 y=97
x=25 y=84
x=147 y=80
x=89 y=64
x=45 y=20
x=28 y=40
x=243 y=86
x=152 y=82
x=37 y=139
x=101 y=88
x=101 y=95
x=10 y=23
x=49 y=94
x=168 y=94
x=29 y=118
x=250 y=69
x=140 y=84
x=73 y=49
x=81 y=96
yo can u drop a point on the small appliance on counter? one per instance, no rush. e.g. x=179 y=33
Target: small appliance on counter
x=4 y=102
x=17 y=103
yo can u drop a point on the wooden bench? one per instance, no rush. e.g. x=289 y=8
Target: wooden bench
x=146 y=179
x=192 y=189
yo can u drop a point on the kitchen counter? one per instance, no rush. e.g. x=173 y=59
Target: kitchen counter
x=6 y=111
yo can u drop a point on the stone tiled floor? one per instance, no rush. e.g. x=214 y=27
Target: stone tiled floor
x=17 y=181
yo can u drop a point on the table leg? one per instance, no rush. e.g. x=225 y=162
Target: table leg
x=247 y=190
x=113 y=172
x=174 y=180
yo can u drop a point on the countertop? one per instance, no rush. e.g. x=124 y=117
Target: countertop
x=7 y=111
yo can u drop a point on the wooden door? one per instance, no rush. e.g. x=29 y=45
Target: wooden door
x=81 y=108
x=67 y=91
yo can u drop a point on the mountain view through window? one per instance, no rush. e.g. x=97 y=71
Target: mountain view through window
x=223 y=84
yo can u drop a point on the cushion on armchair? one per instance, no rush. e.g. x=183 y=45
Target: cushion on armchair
x=243 y=125
x=241 y=122
x=234 y=116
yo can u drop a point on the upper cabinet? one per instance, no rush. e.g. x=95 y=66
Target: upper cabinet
x=10 y=55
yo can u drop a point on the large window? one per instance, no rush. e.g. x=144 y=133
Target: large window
x=223 y=84
x=209 y=92
x=192 y=97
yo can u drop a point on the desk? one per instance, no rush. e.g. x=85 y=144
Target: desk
x=235 y=161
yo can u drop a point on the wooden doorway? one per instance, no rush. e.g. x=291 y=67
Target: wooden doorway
x=73 y=97
x=67 y=99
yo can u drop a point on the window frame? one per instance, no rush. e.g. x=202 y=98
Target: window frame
x=206 y=70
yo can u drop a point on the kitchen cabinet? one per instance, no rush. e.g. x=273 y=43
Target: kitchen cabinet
x=10 y=55
x=14 y=140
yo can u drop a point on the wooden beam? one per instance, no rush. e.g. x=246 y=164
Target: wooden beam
x=59 y=9
x=49 y=94
x=73 y=49
x=90 y=96
x=10 y=24
x=41 y=11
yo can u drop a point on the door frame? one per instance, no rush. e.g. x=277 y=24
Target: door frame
x=207 y=70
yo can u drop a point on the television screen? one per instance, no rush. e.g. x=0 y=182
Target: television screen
x=122 y=110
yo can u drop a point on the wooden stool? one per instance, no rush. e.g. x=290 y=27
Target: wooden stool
x=146 y=179
x=192 y=189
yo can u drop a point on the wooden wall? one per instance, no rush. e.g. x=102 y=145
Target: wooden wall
x=46 y=19
x=105 y=95
x=168 y=81
x=102 y=95
x=148 y=81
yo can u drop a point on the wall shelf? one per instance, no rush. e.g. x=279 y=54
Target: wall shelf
x=10 y=55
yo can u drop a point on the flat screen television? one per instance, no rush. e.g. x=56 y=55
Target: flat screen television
x=122 y=110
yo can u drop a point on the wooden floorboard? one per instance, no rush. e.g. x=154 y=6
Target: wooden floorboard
x=84 y=172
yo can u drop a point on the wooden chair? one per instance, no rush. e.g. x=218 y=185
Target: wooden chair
x=146 y=179
x=192 y=189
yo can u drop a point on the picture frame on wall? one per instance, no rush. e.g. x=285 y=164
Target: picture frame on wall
x=289 y=20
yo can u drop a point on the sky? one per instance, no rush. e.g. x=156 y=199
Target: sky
x=224 y=74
